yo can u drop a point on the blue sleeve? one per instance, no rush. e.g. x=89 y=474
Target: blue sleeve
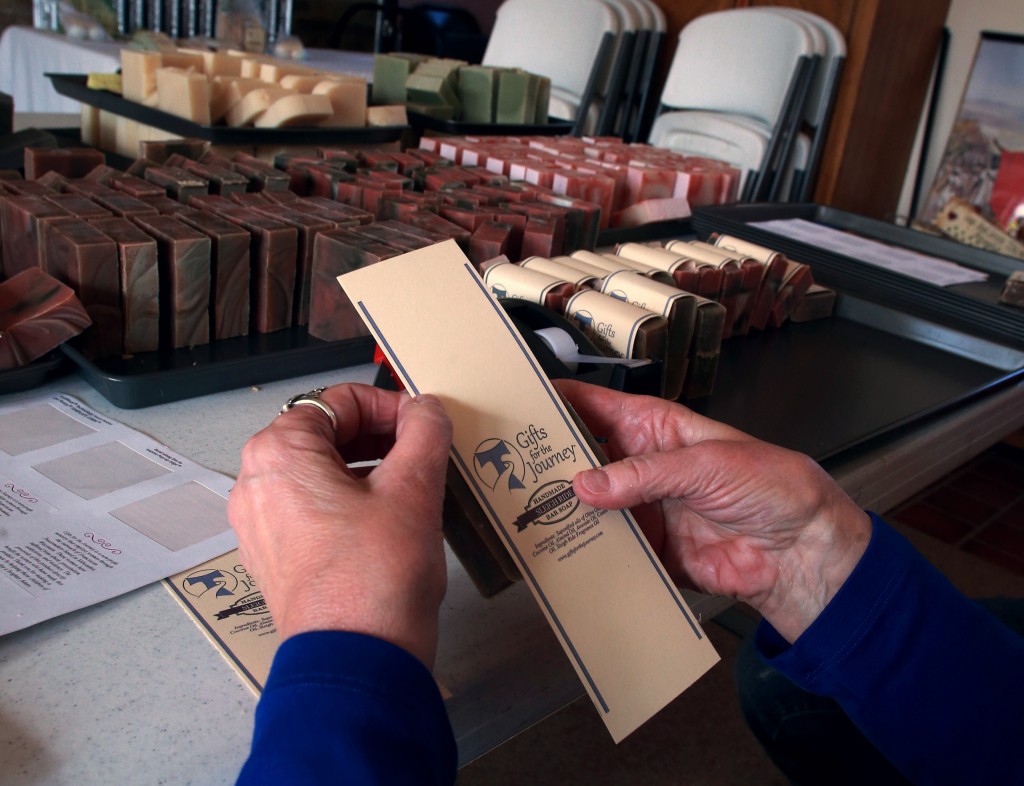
x=930 y=677
x=342 y=707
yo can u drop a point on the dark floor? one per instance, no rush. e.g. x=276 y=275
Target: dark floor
x=978 y=508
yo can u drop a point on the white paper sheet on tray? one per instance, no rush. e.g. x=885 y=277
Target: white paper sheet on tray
x=91 y=509
x=933 y=270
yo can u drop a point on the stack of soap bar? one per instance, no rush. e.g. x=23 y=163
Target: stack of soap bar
x=139 y=284
x=68 y=161
x=85 y=259
x=183 y=255
x=37 y=314
x=229 y=272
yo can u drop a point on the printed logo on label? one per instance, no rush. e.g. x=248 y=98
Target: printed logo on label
x=199 y=582
x=498 y=464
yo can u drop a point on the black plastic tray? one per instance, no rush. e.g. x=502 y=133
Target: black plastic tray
x=74 y=86
x=675 y=228
x=34 y=374
x=160 y=377
x=974 y=308
x=868 y=372
x=421 y=122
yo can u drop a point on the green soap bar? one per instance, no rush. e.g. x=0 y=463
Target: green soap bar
x=432 y=91
x=436 y=111
x=517 y=97
x=540 y=116
x=389 y=75
x=478 y=91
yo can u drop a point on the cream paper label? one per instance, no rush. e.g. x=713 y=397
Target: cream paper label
x=707 y=255
x=745 y=248
x=508 y=280
x=627 y=631
x=609 y=323
x=643 y=292
x=559 y=270
x=658 y=258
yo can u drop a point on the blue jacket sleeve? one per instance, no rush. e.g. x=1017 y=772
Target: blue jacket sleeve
x=346 y=708
x=930 y=677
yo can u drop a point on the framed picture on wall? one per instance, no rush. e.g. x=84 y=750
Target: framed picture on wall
x=983 y=164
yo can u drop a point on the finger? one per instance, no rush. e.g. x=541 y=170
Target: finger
x=417 y=463
x=635 y=424
x=650 y=477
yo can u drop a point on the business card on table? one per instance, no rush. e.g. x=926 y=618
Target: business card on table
x=623 y=624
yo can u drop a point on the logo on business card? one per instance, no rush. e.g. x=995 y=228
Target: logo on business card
x=221 y=583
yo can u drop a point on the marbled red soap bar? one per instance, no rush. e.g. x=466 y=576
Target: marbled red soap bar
x=68 y=161
x=23 y=222
x=229 y=273
x=274 y=248
x=79 y=205
x=308 y=226
x=139 y=279
x=37 y=314
x=180 y=184
x=85 y=259
x=183 y=256
x=332 y=316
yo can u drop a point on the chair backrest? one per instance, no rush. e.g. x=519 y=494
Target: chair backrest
x=833 y=55
x=659 y=23
x=559 y=40
x=739 y=61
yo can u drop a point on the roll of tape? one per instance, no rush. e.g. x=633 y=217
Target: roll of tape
x=565 y=349
x=561 y=345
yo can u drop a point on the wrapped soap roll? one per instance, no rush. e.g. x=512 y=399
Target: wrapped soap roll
x=750 y=281
x=677 y=306
x=775 y=264
x=37 y=314
x=681 y=270
x=139 y=280
x=513 y=281
x=553 y=267
x=618 y=329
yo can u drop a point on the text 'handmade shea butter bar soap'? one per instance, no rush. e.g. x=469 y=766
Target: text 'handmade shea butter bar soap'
x=620 y=619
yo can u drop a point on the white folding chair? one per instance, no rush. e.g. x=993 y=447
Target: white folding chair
x=560 y=40
x=741 y=67
x=801 y=169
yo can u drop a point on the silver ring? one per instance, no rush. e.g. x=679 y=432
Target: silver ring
x=312 y=398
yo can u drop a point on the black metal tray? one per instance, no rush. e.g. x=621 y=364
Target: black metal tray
x=34 y=374
x=869 y=371
x=421 y=122
x=160 y=377
x=74 y=86
x=974 y=308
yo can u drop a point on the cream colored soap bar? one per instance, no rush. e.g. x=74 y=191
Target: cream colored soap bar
x=253 y=104
x=295 y=110
x=622 y=623
x=185 y=93
x=348 y=101
x=138 y=74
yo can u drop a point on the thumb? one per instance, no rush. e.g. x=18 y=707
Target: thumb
x=418 y=461
x=635 y=480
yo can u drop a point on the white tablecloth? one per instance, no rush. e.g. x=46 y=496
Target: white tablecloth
x=27 y=54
